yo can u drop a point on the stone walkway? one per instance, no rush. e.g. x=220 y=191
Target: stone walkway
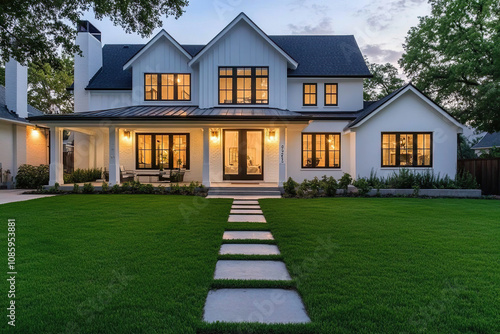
x=262 y=305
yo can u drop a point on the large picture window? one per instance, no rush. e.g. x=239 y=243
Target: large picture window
x=243 y=85
x=409 y=149
x=321 y=150
x=162 y=150
x=167 y=87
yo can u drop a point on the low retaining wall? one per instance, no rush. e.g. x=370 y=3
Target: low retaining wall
x=462 y=193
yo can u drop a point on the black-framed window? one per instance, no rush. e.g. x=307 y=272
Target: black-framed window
x=243 y=85
x=331 y=94
x=162 y=150
x=406 y=149
x=321 y=150
x=310 y=97
x=167 y=87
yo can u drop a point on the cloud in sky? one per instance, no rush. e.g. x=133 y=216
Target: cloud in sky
x=377 y=54
x=380 y=16
x=323 y=27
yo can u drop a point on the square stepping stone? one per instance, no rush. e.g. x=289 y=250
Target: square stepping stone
x=245 y=235
x=244 y=211
x=251 y=270
x=267 y=306
x=247 y=219
x=245 y=202
x=246 y=207
x=249 y=249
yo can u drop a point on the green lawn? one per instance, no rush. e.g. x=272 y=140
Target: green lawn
x=144 y=263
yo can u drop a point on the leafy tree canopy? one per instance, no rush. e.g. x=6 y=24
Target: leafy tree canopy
x=385 y=80
x=35 y=30
x=454 y=56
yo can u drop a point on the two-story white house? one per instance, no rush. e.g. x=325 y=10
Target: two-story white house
x=244 y=107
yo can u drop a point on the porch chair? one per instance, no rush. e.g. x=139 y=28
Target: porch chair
x=165 y=175
x=126 y=175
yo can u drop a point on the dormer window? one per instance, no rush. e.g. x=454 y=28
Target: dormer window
x=167 y=87
x=243 y=85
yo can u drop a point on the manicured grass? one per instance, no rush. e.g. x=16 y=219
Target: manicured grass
x=145 y=263
x=113 y=263
x=392 y=265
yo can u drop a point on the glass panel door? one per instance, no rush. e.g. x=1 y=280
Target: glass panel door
x=243 y=155
x=231 y=152
x=254 y=153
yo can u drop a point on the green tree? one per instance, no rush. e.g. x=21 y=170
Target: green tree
x=47 y=86
x=2 y=75
x=385 y=80
x=464 y=147
x=34 y=30
x=454 y=56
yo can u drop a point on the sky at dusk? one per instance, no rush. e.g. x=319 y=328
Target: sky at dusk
x=380 y=27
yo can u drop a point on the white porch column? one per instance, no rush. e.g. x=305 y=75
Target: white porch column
x=56 y=156
x=206 y=157
x=114 y=155
x=282 y=156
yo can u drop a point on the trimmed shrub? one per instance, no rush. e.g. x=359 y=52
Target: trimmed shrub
x=76 y=189
x=83 y=175
x=329 y=185
x=363 y=186
x=345 y=181
x=105 y=188
x=32 y=177
x=88 y=188
x=116 y=189
x=290 y=187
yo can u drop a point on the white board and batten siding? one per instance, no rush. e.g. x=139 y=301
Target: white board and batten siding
x=161 y=57
x=242 y=46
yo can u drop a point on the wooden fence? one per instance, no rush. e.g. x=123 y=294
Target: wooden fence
x=486 y=171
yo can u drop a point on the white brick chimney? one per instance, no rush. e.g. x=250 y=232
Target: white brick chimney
x=86 y=65
x=16 y=88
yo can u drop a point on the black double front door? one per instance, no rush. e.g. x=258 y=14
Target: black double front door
x=243 y=155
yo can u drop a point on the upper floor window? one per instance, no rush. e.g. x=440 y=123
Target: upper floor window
x=331 y=98
x=310 y=94
x=321 y=150
x=243 y=85
x=167 y=87
x=406 y=149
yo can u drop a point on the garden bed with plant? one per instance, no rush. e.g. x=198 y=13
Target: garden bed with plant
x=401 y=183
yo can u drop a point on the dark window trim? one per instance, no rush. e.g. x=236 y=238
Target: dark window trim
x=398 y=149
x=176 y=87
x=304 y=94
x=327 y=150
x=153 y=149
x=253 y=76
x=336 y=94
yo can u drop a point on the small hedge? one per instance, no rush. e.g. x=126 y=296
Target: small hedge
x=32 y=177
x=403 y=179
x=83 y=175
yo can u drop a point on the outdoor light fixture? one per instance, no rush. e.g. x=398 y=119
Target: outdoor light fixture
x=126 y=133
x=271 y=135
x=214 y=135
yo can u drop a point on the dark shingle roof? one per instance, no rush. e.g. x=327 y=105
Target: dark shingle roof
x=6 y=114
x=334 y=56
x=488 y=141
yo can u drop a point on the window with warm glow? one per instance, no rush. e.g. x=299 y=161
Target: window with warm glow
x=406 y=149
x=167 y=87
x=331 y=94
x=243 y=85
x=321 y=150
x=162 y=150
x=310 y=94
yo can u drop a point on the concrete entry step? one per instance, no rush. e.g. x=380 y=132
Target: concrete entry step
x=247 y=235
x=246 y=212
x=245 y=202
x=268 y=306
x=246 y=219
x=251 y=270
x=249 y=249
x=246 y=207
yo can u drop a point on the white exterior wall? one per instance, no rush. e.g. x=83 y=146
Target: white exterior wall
x=294 y=150
x=108 y=99
x=350 y=94
x=85 y=68
x=407 y=113
x=242 y=46
x=7 y=151
x=161 y=57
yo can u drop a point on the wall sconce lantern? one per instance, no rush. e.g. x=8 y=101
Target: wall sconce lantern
x=214 y=135
x=271 y=135
x=126 y=133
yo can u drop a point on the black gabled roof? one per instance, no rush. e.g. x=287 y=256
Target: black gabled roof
x=328 y=55
x=318 y=56
x=488 y=141
x=6 y=114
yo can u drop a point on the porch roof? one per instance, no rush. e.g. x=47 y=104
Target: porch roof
x=171 y=113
